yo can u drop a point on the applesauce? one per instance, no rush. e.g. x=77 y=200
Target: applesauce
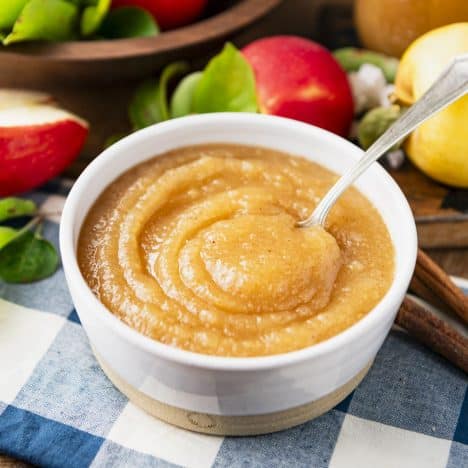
x=198 y=249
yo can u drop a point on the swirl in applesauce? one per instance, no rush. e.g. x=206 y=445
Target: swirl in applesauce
x=198 y=249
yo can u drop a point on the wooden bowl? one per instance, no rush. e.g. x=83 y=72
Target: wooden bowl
x=96 y=79
x=109 y=61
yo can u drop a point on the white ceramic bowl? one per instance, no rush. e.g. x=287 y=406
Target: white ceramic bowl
x=236 y=386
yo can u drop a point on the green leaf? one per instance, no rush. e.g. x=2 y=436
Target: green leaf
x=51 y=20
x=93 y=16
x=128 y=22
x=6 y=235
x=149 y=104
x=27 y=258
x=170 y=72
x=227 y=84
x=10 y=11
x=114 y=139
x=144 y=109
x=13 y=207
x=182 y=99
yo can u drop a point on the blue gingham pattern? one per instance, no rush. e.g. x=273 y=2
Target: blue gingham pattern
x=58 y=409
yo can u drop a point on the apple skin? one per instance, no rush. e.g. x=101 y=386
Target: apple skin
x=31 y=154
x=169 y=14
x=299 y=79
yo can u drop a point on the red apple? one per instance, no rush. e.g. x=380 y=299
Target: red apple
x=168 y=14
x=36 y=143
x=300 y=79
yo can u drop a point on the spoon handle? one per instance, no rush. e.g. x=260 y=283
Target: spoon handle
x=451 y=85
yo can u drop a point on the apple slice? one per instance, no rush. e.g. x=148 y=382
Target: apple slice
x=21 y=97
x=36 y=143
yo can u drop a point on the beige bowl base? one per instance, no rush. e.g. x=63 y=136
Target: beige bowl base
x=233 y=425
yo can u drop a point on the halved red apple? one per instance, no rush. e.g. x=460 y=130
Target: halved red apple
x=37 y=142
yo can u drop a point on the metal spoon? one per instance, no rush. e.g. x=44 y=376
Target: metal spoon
x=451 y=85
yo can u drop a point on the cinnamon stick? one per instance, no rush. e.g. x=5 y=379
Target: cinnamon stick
x=431 y=280
x=418 y=288
x=434 y=332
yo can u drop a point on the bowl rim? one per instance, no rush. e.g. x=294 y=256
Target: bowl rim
x=391 y=300
x=221 y=25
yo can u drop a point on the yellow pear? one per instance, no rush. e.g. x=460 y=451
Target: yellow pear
x=439 y=147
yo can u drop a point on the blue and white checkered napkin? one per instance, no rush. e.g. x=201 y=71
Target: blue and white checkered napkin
x=57 y=408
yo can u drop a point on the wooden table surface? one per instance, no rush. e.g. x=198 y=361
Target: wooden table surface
x=296 y=17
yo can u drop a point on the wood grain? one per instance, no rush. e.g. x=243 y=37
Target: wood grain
x=438 y=225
